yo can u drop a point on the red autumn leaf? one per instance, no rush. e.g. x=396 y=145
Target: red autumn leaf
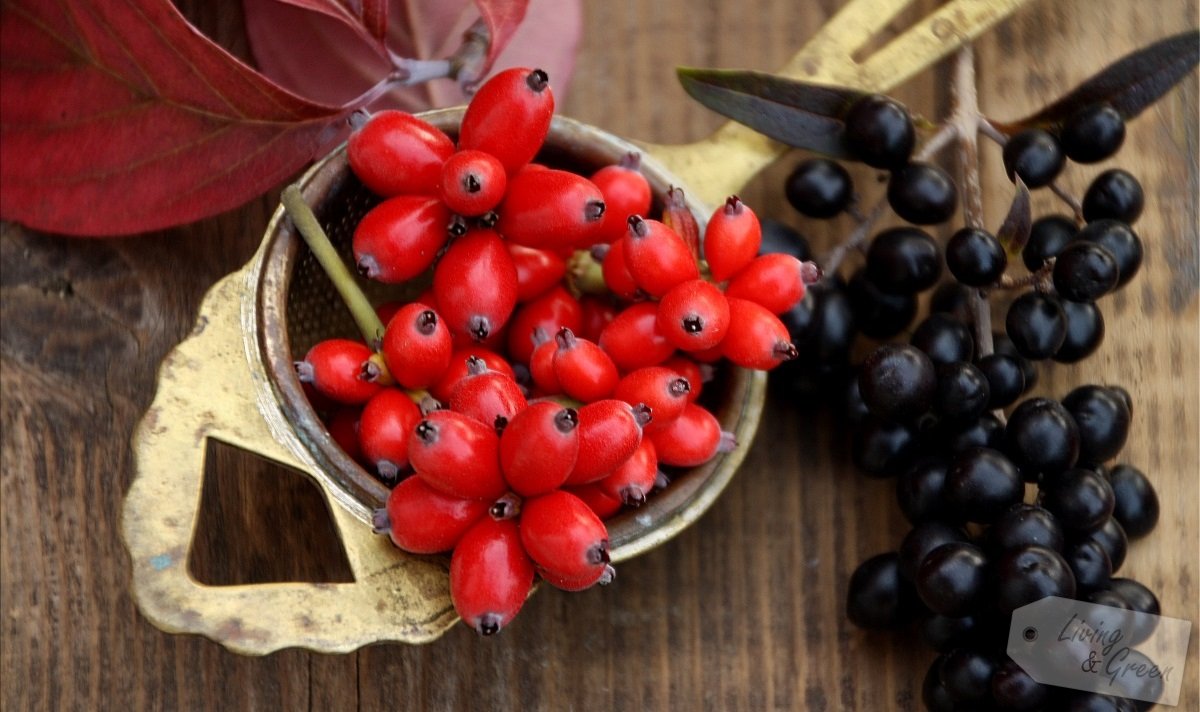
x=368 y=18
x=502 y=18
x=419 y=29
x=120 y=117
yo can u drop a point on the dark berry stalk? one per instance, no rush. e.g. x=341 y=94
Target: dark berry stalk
x=858 y=238
x=966 y=119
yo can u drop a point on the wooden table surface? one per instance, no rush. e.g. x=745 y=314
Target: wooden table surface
x=743 y=611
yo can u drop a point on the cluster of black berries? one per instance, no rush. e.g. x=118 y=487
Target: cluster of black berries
x=1004 y=512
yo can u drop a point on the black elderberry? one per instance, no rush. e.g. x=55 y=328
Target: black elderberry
x=1081 y=498
x=903 y=260
x=1114 y=194
x=1030 y=574
x=897 y=382
x=952 y=299
x=1042 y=437
x=981 y=485
x=944 y=633
x=781 y=237
x=951 y=578
x=944 y=339
x=883 y=448
x=967 y=675
x=919 y=490
x=1104 y=597
x=922 y=194
x=1136 y=507
x=851 y=406
x=1036 y=324
x=1123 y=395
x=1023 y=525
x=1035 y=156
x=1111 y=536
x=934 y=694
x=1003 y=345
x=985 y=431
x=819 y=188
x=878 y=314
x=1047 y=238
x=1006 y=380
x=877 y=596
x=1102 y=418
x=975 y=257
x=1089 y=564
x=1085 y=331
x=1120 y=240
x=1093 y=133
x=922 y=539
x=879 y=132
x=1084 y=272
x=1014 y=689
x=962 y=391
x=1139 y=598
x=822 y=323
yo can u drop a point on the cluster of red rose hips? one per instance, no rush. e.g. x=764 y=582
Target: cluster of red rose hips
x=532 y=404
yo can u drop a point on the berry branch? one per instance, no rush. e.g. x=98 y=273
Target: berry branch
x=966 y=120
x=857 y=238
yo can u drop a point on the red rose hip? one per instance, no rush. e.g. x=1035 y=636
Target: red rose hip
x=472 y=182
x=731 y=239
x=539 y=447
x=490 y=575
x=475 y=285
x=582 y=369
x=399 y=238
x=509 y=117
x=550 y=209
x=609 y=433
x=694 y=315
x=566 y=540
x=457 y=455
x=757 y=338
x=395 y=153
x=421 y=520
x=334 y=367
x=384 y=428
x=657 y=257
x=417 y=346
x=691 y=439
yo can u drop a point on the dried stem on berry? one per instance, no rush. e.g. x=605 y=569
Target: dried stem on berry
x=380 y=523
x=1069 y=200
x=1035 y=279
x=679 y=218
x=507 y=507
x=375 y=370
x=310 y=229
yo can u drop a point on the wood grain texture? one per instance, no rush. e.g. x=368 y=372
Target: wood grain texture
x=743 y=611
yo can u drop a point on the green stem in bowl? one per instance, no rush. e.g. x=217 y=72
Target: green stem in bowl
x=312 y=232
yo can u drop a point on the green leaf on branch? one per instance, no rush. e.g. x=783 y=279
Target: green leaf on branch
x=1130 y=84
x=801 y=115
